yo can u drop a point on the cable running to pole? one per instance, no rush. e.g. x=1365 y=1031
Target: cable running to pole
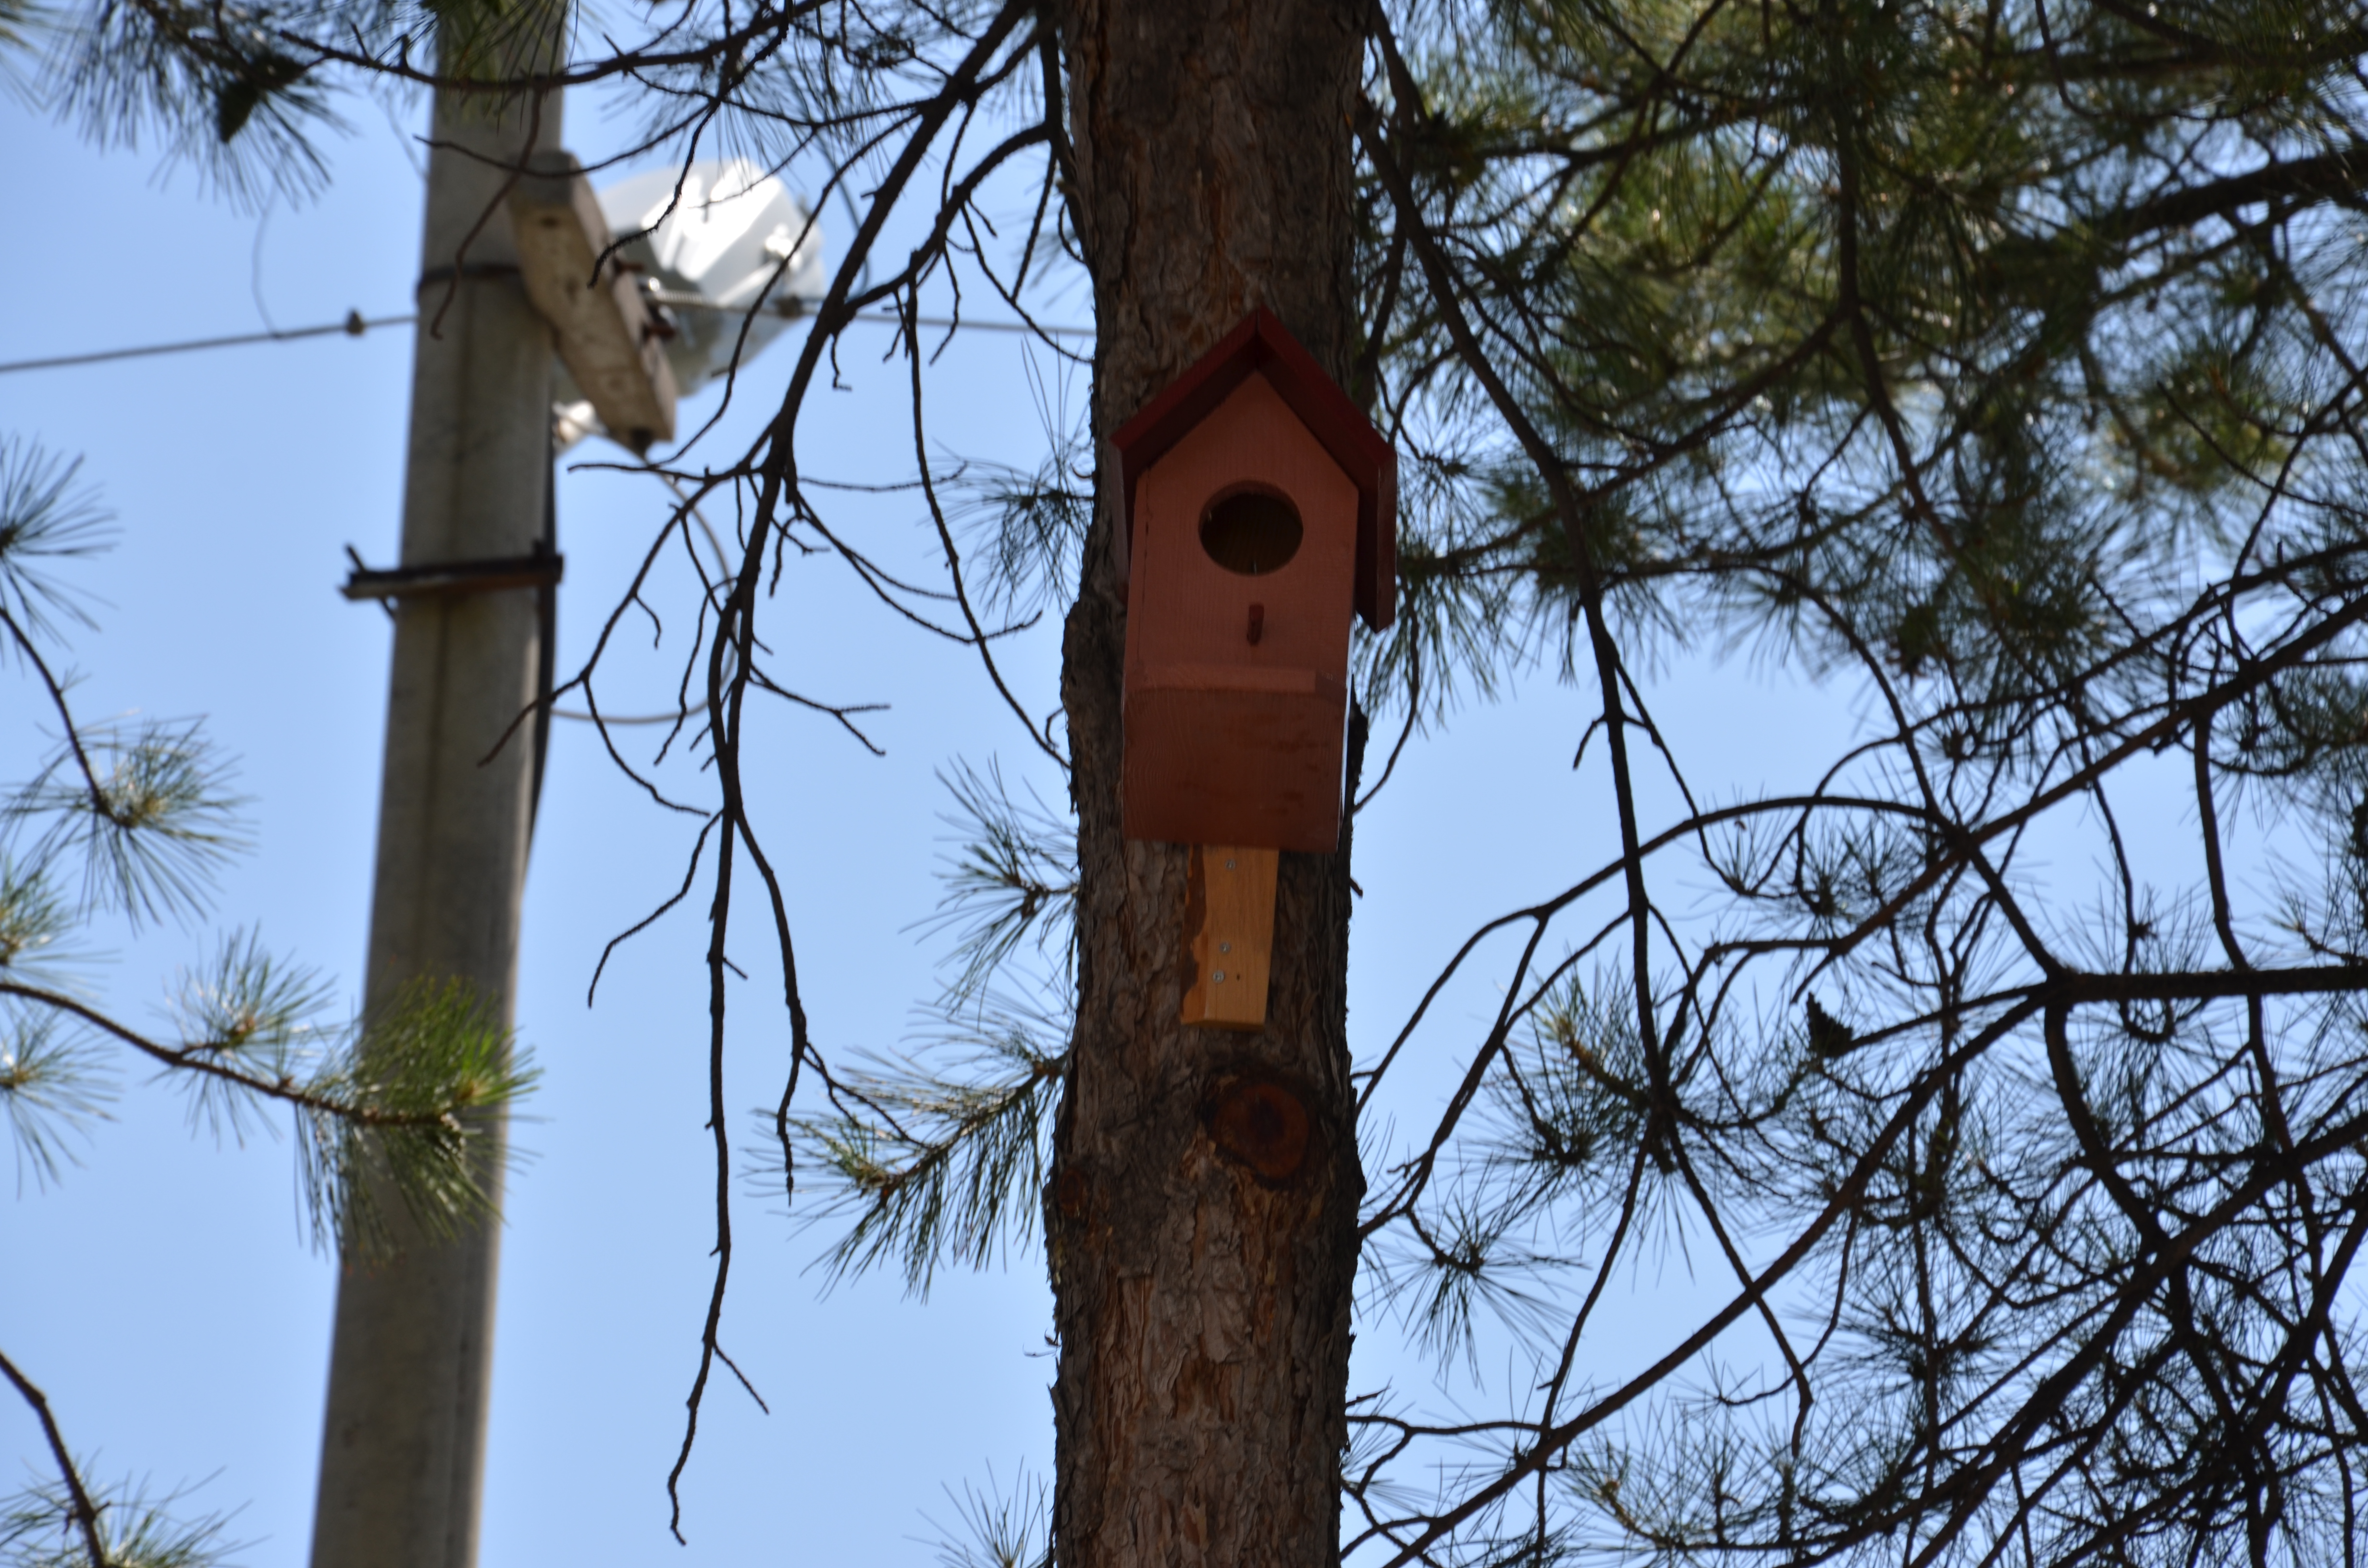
x=355 y=325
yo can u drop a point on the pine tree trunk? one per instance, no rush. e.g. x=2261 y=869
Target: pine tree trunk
x=1202 y=1208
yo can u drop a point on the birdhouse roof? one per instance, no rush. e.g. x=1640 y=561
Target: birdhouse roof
x=1262 y=345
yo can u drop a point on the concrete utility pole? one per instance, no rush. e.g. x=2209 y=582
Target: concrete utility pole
x=403 y=1455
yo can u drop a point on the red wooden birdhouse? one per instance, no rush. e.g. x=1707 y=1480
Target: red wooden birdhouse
x=1262 y=513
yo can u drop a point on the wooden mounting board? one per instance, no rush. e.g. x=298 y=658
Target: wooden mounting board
x=603 y=328
x=1229 y=916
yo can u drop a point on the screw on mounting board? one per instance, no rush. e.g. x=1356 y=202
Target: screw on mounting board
x=1221 y=977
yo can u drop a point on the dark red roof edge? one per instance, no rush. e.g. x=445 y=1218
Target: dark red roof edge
x=1262 y=344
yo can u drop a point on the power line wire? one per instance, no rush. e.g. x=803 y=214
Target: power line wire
x=891 y=319
x=355 y=325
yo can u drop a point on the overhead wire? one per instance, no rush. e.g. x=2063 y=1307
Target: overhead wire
x=355 y=325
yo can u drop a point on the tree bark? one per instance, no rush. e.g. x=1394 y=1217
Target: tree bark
x=1201 y=1212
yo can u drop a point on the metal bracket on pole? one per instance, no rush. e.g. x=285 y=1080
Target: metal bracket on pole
x=606 y=332
x=544 y=569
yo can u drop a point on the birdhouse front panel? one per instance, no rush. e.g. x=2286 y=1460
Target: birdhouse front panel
x=1241 y=584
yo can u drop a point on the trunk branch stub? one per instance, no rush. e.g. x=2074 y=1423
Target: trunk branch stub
x=1261 y=1123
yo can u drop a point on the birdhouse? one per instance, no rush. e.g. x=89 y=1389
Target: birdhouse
x=1261 y=514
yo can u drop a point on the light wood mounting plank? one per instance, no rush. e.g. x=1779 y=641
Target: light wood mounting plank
x=603 y=327
x=1229 y=915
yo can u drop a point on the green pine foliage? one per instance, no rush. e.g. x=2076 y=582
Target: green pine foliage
x=1011 y=888
x=248 y=95
x=1964 y=323
x=52 y=1086
x=135 y=1529
x=997 y=1528
x=1999 y=364
x=938 y=1157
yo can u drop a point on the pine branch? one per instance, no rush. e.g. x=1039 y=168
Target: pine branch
x=82 y=1511
x=391 y=1107
x=929 y=1165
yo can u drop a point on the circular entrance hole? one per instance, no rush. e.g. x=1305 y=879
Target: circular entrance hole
x=1251 y=532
